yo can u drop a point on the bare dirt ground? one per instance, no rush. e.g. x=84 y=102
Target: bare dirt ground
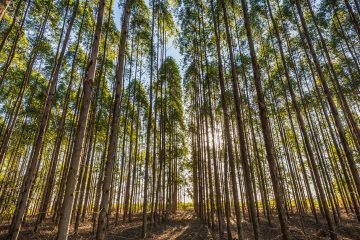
x=184 y=225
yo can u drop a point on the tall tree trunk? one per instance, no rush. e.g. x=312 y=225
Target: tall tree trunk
x=149 y=126
x=67 y=205
x=265 y=125
x=114 y=131
x=240 y=127
x=301 y=123
x=329 y=97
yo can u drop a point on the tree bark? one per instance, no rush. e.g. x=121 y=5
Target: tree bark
x=67 y=205
x=114 y=131
x=265 y=125
x=4 y=4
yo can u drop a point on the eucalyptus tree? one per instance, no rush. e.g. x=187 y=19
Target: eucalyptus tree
x=60 y=133
x=165 y=27
x=46 y=111
x=300 y=120
x=265 y=125
x=68 y=202
x=329 y=97
x=239 y=118
x=261 y=117
x=148 y=131
x=114 y=125
x=226 y=118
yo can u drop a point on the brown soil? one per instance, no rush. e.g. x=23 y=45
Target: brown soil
x=184 y=225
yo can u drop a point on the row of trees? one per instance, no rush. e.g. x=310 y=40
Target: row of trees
x=93 y=128
x=91 y=123
x=272 y=92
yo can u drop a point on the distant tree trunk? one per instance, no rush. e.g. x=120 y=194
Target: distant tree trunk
x=122 y=162
x=152 y=218
x=128 y=178
x=227 y=197
x=135 y=160
x=153 y=193
x=215 y=163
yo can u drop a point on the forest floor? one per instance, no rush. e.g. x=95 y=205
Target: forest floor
x=184 y=225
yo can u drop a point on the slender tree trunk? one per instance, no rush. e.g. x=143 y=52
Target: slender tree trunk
x=67 y=205
x=265 y=125
x=114 y=131
x=4 y=4
x=13 y=22
x=226 y=118
x=329 y=97
x=148 y=130
x=241 y=129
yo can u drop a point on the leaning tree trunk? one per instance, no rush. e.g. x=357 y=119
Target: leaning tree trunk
x=4 y=4
x=265 y=125
x=31 y=169
x=228 y=137
x=301 y=123
x=60 y=133
x=43 y=122
x=329 y=97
